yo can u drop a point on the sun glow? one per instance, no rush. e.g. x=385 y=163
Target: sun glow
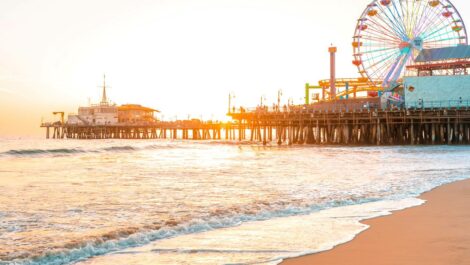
x=182 y=57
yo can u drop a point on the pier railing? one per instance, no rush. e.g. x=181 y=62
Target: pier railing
x=331 y=107
x=343 y=106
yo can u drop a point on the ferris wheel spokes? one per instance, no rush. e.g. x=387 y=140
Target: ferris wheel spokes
x=396 y=27
x=396 y=69
x=391 y=33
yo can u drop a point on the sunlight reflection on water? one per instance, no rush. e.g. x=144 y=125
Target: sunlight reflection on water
x=87 y=197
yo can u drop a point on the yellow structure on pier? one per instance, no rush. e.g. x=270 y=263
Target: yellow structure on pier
x=133 y=113
x=340 y=88
x=345 y=87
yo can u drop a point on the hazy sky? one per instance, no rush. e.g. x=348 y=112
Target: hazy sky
x=179 y=56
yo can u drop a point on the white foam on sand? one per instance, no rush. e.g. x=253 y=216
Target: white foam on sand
x=262 y=242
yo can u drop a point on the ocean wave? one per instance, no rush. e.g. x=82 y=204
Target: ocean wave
x=125 y=238
x=33 y=152
x=73 y=151
x=120 y=148
x=133 y=237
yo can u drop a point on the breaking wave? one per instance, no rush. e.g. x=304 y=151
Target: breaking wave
x=33 y=152
x=72 y=151
x=124 y=238
x=119 y=148
x=133 y=237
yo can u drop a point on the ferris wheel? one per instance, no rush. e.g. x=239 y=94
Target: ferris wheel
x=391 y=33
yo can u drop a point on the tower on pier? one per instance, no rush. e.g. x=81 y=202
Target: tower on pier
x=332 y=51
x=104 y=98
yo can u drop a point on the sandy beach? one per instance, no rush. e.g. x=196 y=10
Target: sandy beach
x=437 y=232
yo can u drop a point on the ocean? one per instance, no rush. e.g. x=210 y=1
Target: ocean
x=177 y=202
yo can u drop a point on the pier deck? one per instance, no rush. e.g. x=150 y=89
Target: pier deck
x=194 y=130
x=297 y=125
x=304 y=125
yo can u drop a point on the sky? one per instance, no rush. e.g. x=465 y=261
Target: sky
x=182 y=57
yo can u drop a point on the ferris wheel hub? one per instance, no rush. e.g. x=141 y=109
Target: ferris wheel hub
x=403 y=45
x=418 y=43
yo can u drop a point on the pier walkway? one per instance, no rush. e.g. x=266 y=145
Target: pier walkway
x=186 y=130
x=364 y=125
x=355 y=126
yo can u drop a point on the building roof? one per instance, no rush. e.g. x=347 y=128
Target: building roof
x=128 y=107
x=443 y=54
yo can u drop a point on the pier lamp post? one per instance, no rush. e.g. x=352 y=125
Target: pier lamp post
x=263 y=98
x=231 y=96
x=290 y=102
x=279 y=95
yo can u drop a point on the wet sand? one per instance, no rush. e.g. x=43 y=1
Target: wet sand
x=436 y=233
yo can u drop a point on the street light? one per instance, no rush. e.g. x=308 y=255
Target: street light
x=231 y=96
x=263 y=98
x=279 y=95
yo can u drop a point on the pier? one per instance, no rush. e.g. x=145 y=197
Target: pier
x=184 y=130
x=430 y=105
x=299 y=125
x=306 y=125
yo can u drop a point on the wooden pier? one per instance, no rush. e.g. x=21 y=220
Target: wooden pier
x=304 y=125
x=297 y=125
x=185 y=130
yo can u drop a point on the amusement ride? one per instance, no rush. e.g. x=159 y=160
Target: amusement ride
x=388 y=37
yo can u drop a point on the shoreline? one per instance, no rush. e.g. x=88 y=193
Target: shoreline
x=435 y=233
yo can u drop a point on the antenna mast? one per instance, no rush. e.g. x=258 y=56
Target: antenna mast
x=104 y=99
